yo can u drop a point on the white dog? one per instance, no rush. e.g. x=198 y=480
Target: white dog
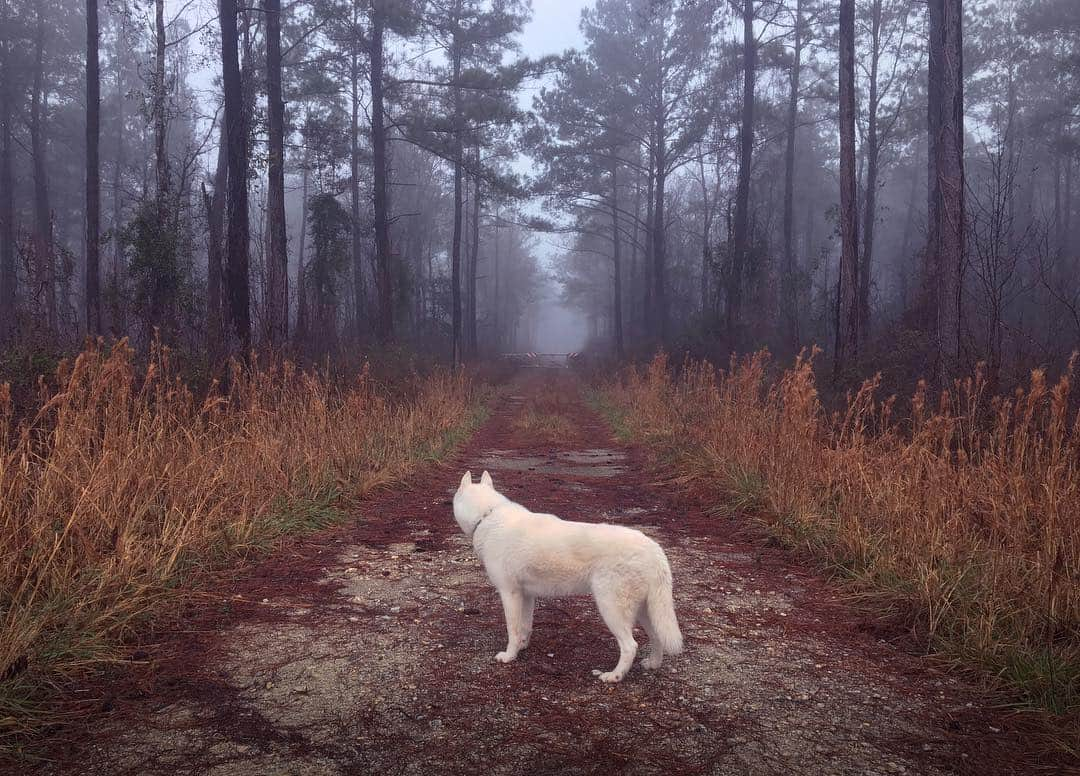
x=528 y=555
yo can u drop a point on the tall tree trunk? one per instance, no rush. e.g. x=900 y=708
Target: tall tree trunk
x=847 y=345
x=1056 y=171
x=474 y=260
x=215 y=244
x=648 y=313
x=928 y=302
x=380 y=196
x=660 y=241
x=237 y=240
x=1068 y=212
x=359 y=292
x=706 y=243
x=496 y=300
x=44 y=281
x=790 y=314
x=455 y=248
x=946 y=249
x=634 y=250
x=873 y=153
x=7 y=203
x=116 y=314
x=616 y=259
x=277 y=257
x=161 y=157
x=93 y=172
x=301 y=280
x=740 y=237
x=1010 y=152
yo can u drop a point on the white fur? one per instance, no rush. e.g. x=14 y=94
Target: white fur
x=528 y=555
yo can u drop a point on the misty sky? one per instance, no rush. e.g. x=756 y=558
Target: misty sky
x=554 y=26
x=553 y=29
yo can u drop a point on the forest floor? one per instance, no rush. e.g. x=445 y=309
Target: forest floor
x=369 y=648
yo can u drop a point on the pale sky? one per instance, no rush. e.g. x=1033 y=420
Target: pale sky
x=554 y=26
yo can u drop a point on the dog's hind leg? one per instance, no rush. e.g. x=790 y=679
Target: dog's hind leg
x=619 y=617
x=655 y=658
x=513 y=603
x=528 y=603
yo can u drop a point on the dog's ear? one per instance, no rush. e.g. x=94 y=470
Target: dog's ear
x=485 y=479
x=466 y=480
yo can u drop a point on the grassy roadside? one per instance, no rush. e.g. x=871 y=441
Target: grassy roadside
x=961 y=519
x=125 y=491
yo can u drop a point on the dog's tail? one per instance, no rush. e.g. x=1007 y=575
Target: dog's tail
x=662 y=612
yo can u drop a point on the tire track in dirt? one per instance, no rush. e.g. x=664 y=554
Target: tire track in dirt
x=370 y=648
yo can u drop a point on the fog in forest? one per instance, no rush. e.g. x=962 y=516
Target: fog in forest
x=891 y=181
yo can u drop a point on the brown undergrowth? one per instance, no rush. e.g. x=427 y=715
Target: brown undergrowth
x=965 y=515
x=124 y=489
x=548 y=415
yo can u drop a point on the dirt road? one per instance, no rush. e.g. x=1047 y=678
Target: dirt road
x=370 y=649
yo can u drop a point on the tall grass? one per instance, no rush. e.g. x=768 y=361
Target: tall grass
x=966 y=512
x=124 y=485
x=546 y=414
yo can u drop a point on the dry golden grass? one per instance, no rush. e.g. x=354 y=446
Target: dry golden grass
x=546 y=414
x=967 y=513
x=124 y=486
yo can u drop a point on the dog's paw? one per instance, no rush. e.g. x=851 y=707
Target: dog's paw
x=652 y=662
x=505 y=657
x=608 y=676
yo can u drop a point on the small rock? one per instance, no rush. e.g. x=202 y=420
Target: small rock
x=269 y=685
x=395 y=609
x=265 y=601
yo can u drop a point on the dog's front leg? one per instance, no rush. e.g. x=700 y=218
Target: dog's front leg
x=528 y=604
x=512 y=601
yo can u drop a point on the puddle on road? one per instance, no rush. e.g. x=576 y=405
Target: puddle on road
x=592 y=462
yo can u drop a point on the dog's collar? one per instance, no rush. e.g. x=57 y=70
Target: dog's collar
x=482 y=518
